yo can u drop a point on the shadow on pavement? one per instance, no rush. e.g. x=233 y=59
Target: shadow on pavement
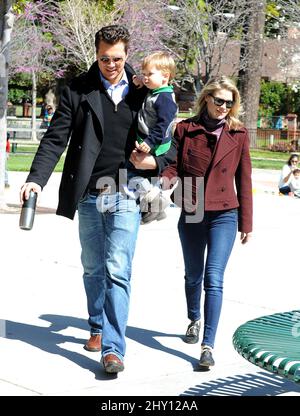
x=148 y=338
x=51 y=341
x=257 y=384
x=48 y=340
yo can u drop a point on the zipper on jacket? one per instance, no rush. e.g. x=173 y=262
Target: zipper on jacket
x=110 y=99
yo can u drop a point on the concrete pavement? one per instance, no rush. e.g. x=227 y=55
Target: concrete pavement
x=43 y=313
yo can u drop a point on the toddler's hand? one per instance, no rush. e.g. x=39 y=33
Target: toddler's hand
x=138 y=82
x=143 y=147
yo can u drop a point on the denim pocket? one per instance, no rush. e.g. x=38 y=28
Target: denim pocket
x=125 y=204
x=83 y=198
x=87 y=197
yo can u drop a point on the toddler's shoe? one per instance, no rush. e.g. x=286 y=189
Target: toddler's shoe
x=153 y=209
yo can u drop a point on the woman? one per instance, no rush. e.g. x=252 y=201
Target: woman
x=213 y=145
x=286 y=174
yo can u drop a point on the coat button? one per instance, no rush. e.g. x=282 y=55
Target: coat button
x=223 y=189
x=225 y=205
x=79 y=147
x=224 y=170
x=71 y=176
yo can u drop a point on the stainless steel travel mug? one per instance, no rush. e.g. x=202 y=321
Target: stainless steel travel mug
x=28 y=211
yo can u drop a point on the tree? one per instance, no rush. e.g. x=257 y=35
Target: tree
x=201 y=31
x=74 y=23
x=287 y=23
x=146 y=22
x=33 y=49
x=273 y=98
x=251 y=76
x=282 y=23
x=6 y=24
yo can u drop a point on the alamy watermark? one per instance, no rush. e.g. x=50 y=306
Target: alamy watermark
x=188 y=193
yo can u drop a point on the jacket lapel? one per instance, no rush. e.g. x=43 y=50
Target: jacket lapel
x=92 y=92
x=226 y=144
x=94 y=100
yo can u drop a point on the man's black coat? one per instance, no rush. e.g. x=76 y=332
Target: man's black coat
x=78 y=120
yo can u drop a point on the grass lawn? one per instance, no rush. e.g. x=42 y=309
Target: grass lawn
x=26 y=149
x=261 y=159
x=22 y=162
x=267 y=164
x=185 y=114
x=267 y=154
x=265 y=159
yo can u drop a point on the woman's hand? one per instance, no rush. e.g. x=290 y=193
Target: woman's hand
x=245 y=237
x=142 y=160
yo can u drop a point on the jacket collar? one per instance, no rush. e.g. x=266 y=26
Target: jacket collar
x=226 y=143
x=167 y=88
x=95 y=85
x=94 y=80
x=194 y=124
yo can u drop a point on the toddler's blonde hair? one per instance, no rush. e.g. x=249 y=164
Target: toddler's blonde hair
x=162 y=61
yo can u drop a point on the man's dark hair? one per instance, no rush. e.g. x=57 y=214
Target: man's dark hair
x=112 y=34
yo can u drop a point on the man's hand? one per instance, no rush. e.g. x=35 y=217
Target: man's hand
x=26 y=188
x=142 y=160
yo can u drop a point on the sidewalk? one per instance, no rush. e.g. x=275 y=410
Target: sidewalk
x=43 y=317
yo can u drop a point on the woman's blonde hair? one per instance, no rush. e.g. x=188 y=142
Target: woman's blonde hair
x=162 y=61
x=216 y=84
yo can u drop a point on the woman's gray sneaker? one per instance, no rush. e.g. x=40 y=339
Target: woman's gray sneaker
x=192 y=333
x=206 y=359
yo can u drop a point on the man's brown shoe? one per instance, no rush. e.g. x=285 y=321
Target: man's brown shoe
x=112 y=363
x=93 y=344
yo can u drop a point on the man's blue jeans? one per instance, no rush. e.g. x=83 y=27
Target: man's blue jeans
x=108 y=227
x=216 y=233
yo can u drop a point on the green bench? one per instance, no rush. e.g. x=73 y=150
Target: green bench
x=272 y=342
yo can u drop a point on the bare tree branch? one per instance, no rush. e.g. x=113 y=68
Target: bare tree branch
x=74 y=27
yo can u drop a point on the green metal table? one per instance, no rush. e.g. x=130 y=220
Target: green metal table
x=272 y=342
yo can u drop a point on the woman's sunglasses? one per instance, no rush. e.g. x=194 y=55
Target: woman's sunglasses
x=219 y=101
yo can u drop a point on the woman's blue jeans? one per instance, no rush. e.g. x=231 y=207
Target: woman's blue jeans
x=215 y=234
x=108 y=227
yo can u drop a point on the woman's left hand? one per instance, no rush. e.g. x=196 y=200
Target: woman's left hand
x=142 y=160
x=245 y=237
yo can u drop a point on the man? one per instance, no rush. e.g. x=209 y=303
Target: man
x=97 y=113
